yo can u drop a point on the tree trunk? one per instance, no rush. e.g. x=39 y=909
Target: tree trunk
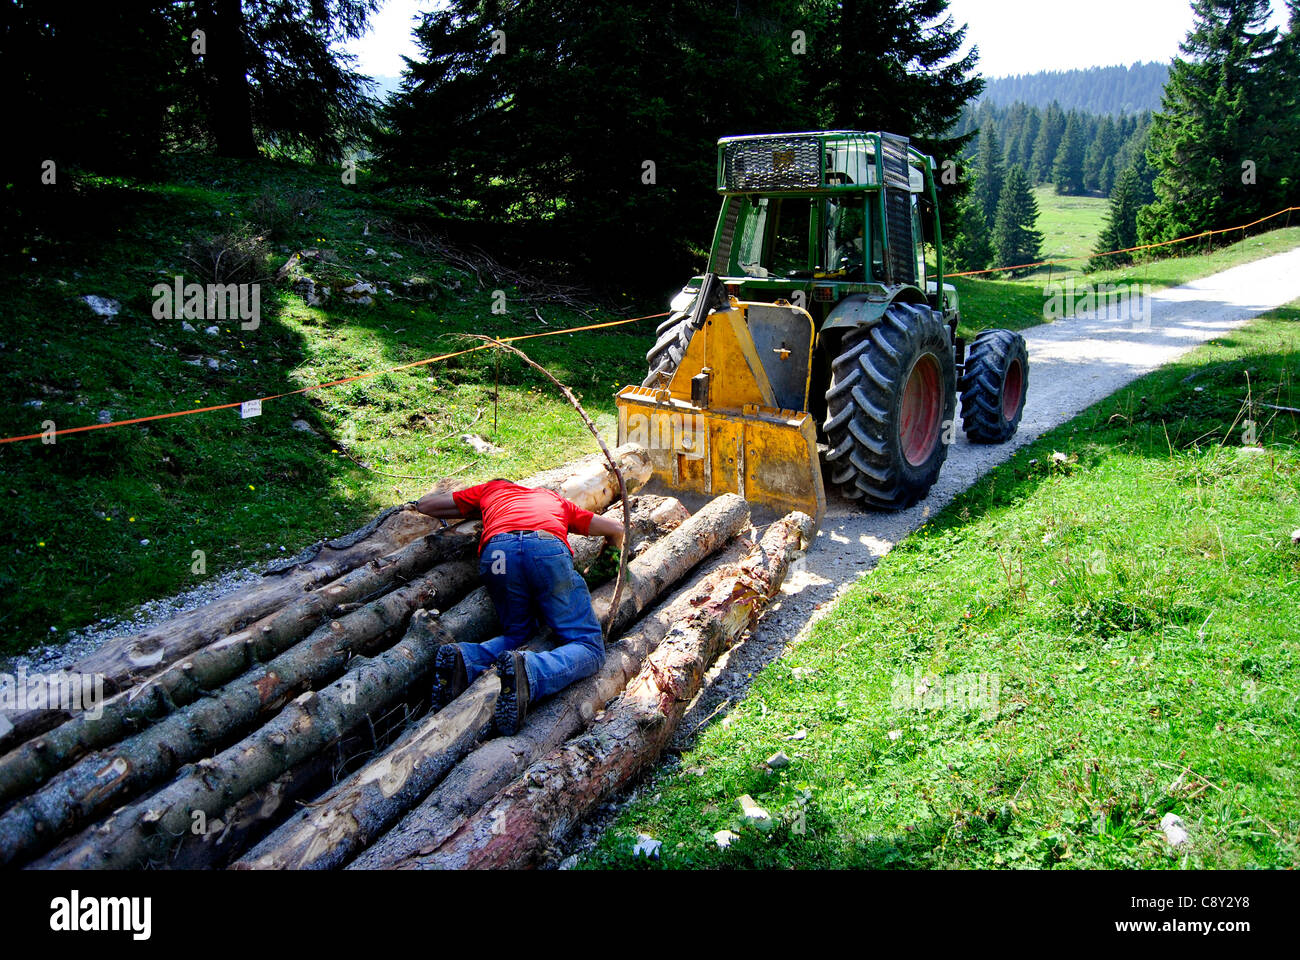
x=107 y=778
x=587 y=481
x=493 y=765
x=331 y=831
x=147 y=830
x=230 y=116
x=518 y=825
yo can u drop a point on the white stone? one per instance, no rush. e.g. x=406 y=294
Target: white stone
x=102 y=306
x=723 y=838
x=1174 y=829
x=778 y=760
x=753 y=814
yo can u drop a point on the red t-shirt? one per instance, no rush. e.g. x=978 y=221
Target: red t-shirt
x=507 y=506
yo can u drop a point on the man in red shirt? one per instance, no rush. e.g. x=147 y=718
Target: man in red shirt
x=527 y=565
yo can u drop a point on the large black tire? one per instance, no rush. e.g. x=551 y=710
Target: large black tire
x=890 y=408
x=671 y=340
x=994 y=384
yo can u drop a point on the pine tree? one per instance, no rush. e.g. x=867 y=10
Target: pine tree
x=1120 y=229
x=1050 y=132
x=988 y=173
x=1067 y=171
x=272 y=74
x=1015 y=239
x=1214 y=121
x=1103 y=148
x=970 y=247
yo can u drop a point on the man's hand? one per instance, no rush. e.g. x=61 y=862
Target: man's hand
x=611 y=530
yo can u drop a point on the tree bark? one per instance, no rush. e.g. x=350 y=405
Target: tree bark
x=120 y=661
x=587 y=481
x=105 y=779
x=518 y=825
x=474 y=780
x=348 y=817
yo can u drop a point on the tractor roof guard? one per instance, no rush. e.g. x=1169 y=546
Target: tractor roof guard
x=818 y=161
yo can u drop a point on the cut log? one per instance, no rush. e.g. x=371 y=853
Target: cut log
x=519 y=824
x=146 y=830
x=105 y=779
x=588 y=482
x=210 y=666
x=332 y=830
x=493 y=765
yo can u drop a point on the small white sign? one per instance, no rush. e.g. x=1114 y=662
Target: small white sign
x=250 y=408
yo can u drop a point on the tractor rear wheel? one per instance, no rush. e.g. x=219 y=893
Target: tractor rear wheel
x=671 y=339
x=890 y=408
x=993 y=386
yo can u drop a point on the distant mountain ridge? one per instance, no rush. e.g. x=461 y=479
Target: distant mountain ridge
x=1099 y=90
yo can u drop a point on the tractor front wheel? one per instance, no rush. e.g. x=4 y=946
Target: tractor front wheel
x=993 y=386
x=890 y=408
x=671 y=340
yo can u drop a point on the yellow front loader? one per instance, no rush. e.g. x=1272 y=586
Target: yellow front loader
x=726 y=421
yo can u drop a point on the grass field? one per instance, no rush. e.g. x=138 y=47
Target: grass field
x=1129 y=584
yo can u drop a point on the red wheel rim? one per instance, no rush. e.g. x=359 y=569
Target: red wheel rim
x=1013 y=387
x=918 y=431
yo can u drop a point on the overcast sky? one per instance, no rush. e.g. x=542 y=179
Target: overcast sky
x=1014 y=36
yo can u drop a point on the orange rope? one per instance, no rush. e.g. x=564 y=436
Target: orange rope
x=332 y=383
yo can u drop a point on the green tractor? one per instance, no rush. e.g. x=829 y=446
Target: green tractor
x=832 y=227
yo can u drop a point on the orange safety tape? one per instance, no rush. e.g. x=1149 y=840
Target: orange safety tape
x=334 y=383
x=1145 y=246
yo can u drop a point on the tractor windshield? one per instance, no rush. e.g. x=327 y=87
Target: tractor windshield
x=774 y=237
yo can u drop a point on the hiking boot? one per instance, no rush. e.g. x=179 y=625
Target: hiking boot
x=449 y=677
x=512 y=703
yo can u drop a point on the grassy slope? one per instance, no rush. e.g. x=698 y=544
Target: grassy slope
x=77 y=511
x=1137 y=599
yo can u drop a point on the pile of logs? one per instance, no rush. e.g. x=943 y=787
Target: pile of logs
x=234 y=734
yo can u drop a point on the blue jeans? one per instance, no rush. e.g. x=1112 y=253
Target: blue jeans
x=530 y=577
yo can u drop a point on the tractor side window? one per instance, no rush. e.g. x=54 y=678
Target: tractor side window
x=749 y=255
x=845 y=223
x=918 y=240
x=789 y=256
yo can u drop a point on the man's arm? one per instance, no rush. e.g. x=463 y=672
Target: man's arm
x=439 y=505
x=611 y=530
